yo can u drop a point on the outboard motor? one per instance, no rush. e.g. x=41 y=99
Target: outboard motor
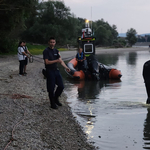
x=93 y=66
x=146 y=76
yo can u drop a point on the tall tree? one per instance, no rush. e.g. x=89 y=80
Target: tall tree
x=12 y=15
x=131 y=36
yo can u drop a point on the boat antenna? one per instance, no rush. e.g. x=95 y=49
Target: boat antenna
x=91 y=19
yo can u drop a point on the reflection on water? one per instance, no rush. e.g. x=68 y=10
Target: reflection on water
x=113 y=112
x=108 y=59
x=88 y=94
x=131 y=58
x=90 y=89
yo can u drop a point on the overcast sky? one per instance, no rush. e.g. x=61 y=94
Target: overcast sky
x=125 y=14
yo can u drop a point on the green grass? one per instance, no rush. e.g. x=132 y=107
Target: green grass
x=38 y=49
x=34 y=49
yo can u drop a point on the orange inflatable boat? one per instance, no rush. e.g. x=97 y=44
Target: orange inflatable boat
x=92 y=70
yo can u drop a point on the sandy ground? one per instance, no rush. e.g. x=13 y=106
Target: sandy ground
x=42 y=128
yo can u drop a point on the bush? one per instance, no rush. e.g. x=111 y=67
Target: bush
x=8 y=46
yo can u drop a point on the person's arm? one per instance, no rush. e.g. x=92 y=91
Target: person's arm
x=46 y=58
x=77 y=58
x=23 y=52
x=83 y=58
x=29 y=52
x=64 y=65
x=49 y=62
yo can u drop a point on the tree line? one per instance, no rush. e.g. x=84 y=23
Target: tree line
x=35 y=22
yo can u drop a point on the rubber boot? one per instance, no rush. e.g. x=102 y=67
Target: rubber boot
x=53 y=105
x=57 y=101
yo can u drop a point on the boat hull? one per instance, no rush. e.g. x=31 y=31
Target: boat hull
x=93 y=70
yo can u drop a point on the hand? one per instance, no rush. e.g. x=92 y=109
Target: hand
x=67 y=69
x=59 y=61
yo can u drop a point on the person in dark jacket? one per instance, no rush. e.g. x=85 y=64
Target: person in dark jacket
x=51 y=58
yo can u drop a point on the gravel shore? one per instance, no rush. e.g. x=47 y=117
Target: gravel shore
x=25 y=99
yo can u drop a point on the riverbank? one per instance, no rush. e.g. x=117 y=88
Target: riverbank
x=120 y=50
x=26 y=97
x=42 y=128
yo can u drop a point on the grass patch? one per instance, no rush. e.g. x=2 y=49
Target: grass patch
x=38 y=49
x=34 y=49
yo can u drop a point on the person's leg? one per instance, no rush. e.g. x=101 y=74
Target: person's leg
x=147 y=85
x=59 y=83
x=25 y=65
x=21 y=67
x=51 y=87
x=25 y=68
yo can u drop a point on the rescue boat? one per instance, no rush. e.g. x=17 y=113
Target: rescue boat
x=92 y=68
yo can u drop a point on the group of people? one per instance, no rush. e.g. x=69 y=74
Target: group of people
x=23 y=55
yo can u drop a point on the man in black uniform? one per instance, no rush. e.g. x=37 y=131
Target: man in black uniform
x=51 y=57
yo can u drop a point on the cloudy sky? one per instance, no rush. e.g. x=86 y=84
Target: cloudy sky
x=125 y=14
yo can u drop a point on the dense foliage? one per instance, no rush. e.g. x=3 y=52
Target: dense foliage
x=13 y=15
x=35 y=22
x=54 y=19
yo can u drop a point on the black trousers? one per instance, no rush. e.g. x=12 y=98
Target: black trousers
x=80 y=65
x=26 y=61
x=54 y=78
x=21 y=66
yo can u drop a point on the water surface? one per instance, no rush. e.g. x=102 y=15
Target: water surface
x=113 y=113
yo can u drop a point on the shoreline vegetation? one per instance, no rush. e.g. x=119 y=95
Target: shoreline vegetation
x=37 y=49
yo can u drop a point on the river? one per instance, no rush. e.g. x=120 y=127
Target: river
x=113 y=114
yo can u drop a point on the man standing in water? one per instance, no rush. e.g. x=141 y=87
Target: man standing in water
x=51 y=57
